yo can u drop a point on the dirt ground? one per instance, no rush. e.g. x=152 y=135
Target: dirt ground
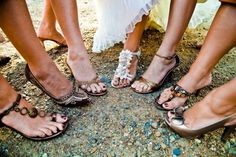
x=122 y=123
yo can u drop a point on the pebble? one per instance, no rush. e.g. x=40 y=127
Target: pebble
x=133 y=124
x=154 y=125
x=177 y=151
x=157 y=147
x=45 y=155
x=147 y=124
x=172 y=138
x=157 y=134
x=163 y=146
x=198 y=141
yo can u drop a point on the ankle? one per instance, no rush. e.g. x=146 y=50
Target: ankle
x=7 y=100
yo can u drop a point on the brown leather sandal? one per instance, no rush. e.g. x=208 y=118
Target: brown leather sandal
x=177 y=123
x=75 y=97
x=32 y=113
x=176 y=91
x=155 y=86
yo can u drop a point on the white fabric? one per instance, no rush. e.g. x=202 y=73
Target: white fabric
x=116 y=18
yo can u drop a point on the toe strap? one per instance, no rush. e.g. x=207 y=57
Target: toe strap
x=178 y=116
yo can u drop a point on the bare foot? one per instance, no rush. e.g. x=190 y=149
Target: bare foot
x=119 y=81
x=30 y=127
x=50 y=33
x=188 y=83
x=155 y=73
x=83 y=71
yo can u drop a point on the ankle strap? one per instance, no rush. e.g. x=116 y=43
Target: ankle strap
x=166 y=57
x=14 y=105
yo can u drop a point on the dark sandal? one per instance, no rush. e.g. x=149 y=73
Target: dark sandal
x=32 y=113
x=75 y=97
x=155 y=86
x=177 y=123
x=176 y=91
x=96 y=80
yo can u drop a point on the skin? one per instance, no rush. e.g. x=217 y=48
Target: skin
x=132 y=44
x=47 y=28
x=199 y=74
x=180 y=11
x=44 y=70
x=78 y=59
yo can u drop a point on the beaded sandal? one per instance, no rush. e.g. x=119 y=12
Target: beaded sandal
x=75 y=97
x=152 y=85
x=122 y=71
x=177 y=123
x=32 y=113
x=176 y=91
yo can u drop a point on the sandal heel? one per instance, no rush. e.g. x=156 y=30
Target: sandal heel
x=227 y=131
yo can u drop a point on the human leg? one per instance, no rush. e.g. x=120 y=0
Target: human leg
x=131 y=46
x=180 y=11
x=40 y=64
x=221 y=31
x=78 y=58
x=47 y=28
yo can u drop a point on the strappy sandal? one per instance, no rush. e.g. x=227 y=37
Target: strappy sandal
x=176 y=122
x=176 y=91
x=155 y=86
x=122 y=71
x=32 y=113
x=87 y=84
x=75 y=97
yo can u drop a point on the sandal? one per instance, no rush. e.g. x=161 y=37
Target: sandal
x=32 y=113
x=87 y=84
x=176 y=122
x=75 y=97
x=122 y=71
x=60 y=43
x=96 y=80
x=176 y=91
x=155 y=86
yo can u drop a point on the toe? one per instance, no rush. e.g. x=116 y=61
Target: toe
x=103 y=86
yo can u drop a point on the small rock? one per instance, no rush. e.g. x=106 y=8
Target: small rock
x=133 y=124
x=198 y=141
x=157 y=134
x=154 y=125
x=163 y=146
x=45 y=155
x=177 y=151
x=157 y=147
x=147 y=124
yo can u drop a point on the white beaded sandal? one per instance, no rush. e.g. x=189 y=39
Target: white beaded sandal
x=122 y=71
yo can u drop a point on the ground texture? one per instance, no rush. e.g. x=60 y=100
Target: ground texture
x=122 y=123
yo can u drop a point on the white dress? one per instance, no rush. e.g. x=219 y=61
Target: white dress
x=116 y=18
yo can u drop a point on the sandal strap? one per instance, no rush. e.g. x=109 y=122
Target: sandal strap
x=178 y=91
x=14 y=105
x=122 y=71
x=166 y=57
x=33 y=112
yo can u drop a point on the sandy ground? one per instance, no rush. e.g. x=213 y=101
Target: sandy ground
x=120 y=123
